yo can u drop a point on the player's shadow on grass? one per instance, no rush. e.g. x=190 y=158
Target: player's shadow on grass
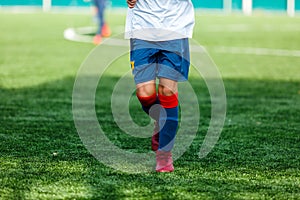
x=42 y=154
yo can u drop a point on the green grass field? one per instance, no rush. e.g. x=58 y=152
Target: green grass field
x=256 y=157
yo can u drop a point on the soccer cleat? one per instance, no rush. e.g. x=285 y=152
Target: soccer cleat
x=97 y=39
x=164 y=161
x=155 y=137
x=106 y=32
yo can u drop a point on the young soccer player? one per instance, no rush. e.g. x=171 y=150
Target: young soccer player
x=103 y=28
x=159 y=32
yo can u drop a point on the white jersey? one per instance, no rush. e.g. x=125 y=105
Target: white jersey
x=158 y=20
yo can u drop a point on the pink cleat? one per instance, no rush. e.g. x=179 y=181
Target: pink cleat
x=97 y=39
x=106 y=32
x=164 y=161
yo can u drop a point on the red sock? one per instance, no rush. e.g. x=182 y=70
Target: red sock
x=147 y=101
x=168 y=101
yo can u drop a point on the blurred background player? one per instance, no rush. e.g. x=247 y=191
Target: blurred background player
x=158 y=31
x=103 y=28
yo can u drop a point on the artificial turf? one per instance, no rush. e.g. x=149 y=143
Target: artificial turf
x=42 y=157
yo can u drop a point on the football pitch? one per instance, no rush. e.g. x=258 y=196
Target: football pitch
x=256 y=157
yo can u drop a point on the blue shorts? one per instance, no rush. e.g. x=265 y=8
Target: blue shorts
x=164 y=59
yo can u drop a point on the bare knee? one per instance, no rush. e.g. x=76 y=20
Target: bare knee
x=145 y=89
x=163 y=90
x=167 y=87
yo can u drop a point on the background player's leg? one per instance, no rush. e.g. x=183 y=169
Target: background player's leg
x=105 y=30
x=100 y=5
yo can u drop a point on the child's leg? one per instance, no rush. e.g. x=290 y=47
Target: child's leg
x=168 y=97
x=173 y=67
x=143 y=59
x=100 y=5
x=146 y=93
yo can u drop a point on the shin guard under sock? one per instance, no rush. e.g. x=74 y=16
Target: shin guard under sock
x=169 y=122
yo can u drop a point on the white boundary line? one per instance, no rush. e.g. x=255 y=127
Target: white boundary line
x=247 y=28
x=78 y=35
x=256 y=51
